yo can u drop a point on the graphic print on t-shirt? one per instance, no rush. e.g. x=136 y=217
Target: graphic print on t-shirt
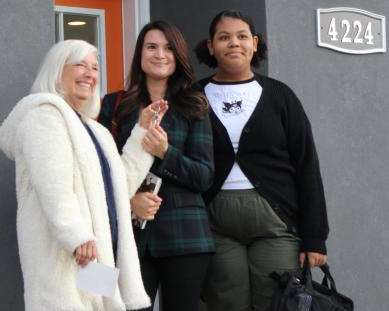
x=233 y=108
x=233 y=105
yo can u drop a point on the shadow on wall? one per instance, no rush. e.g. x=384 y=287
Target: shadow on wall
x=11 y=281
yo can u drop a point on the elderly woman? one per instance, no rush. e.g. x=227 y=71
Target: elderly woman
x=73 y=188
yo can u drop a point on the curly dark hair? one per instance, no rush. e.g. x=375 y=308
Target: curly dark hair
x=202 y=52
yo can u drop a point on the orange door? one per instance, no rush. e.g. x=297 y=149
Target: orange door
x=113 y=36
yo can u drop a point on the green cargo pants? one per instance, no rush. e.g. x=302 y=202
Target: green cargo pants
x=251 y=242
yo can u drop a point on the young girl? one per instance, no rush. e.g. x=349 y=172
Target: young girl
x=176 y=243
x=266 y=204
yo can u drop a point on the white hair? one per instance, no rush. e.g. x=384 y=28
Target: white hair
x=49 y=77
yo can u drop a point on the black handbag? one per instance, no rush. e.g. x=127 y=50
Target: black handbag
x=297 y=291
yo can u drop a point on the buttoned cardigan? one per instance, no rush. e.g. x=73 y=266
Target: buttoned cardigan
x=277 y=154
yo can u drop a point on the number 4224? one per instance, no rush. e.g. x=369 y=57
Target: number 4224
x=357 y=25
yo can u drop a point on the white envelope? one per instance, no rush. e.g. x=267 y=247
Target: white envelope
x=98 y=279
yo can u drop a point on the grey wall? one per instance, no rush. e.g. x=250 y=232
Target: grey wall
x=346 y=98
x=26 y=33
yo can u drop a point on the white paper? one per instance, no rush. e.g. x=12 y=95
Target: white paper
x=98 y=279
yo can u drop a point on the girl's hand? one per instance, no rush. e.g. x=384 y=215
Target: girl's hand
x=314 y=259
x=156 y=142
x=152 y=114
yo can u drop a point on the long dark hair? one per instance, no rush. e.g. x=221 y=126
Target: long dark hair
x=202 y=51
x=180 y=95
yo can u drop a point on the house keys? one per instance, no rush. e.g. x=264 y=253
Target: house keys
x=155 y=117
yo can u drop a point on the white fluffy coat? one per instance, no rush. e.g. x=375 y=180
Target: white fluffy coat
x=61 y=204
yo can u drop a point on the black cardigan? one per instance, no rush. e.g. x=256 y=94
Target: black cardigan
x=277 y=154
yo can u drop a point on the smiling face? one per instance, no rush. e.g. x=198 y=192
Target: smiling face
x=158 y=61
x=79 y=81
x=233 y=46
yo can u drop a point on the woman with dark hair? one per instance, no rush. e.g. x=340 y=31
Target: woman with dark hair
x=266 y=204
x=175 y=246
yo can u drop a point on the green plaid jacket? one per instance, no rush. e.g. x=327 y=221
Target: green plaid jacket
x=181 y=225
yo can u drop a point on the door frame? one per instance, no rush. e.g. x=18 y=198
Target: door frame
x=100 y=14
x=135 y=14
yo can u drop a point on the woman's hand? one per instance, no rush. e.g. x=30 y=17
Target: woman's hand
x=155 y=142
x=314 y=259
x=145 y=205
x=86 y=253
x=152 y=114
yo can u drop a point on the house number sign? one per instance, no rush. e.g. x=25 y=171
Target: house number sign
x=351 y=30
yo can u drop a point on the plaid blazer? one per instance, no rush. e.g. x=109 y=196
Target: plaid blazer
x=181 y=225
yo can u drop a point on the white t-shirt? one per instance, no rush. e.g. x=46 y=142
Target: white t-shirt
x=233 y=103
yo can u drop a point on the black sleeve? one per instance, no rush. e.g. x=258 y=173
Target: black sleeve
x=313 y=223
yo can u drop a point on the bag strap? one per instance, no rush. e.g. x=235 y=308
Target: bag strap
x=306 y=272
x=114 y=120
x=328 y=277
